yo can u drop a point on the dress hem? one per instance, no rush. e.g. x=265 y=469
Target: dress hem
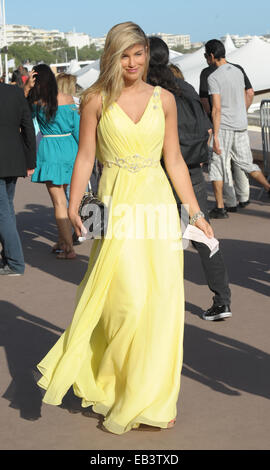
x=101 y=409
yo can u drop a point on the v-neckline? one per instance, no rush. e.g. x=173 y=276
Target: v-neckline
x=138 y=122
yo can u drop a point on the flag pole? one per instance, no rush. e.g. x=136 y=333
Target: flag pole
x=5 y=41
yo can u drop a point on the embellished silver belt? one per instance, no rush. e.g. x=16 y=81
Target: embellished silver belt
x=57 y=135
x=133 y=163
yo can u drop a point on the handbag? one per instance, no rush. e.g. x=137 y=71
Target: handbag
x=94 y=214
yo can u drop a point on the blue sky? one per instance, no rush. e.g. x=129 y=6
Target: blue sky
x=203 y=20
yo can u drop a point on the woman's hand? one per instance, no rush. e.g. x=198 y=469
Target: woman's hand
x=206 y=228
x=77 y=224
x=32 y=79
x=30 y=83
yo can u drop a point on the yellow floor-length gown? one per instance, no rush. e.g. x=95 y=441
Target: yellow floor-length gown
x=123 y=350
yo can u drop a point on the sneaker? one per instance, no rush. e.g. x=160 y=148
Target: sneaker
x=231 y=208
x=218 y=213
x=243 y=204
x=217 y=312
x=6 y=271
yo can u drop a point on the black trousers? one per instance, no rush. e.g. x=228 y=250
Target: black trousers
x=214 y=268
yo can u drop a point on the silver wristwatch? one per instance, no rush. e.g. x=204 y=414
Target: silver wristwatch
x=195 y=217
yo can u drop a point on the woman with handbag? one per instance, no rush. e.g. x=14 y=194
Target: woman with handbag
x=123 y=350
x=58 y=121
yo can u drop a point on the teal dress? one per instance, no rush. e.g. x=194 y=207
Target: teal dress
x=59 y=145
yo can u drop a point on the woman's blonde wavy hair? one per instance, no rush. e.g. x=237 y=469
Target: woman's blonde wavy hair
x=121 y=37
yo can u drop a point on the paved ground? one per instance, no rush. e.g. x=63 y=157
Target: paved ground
x=225 y=389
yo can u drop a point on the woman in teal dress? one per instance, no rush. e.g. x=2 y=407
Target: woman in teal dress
x=58 y=121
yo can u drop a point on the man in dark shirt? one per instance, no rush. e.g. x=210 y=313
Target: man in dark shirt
x=241 y=180
x=17 y=158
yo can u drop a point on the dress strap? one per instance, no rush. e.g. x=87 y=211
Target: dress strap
x=103 y=98
x=156 y=96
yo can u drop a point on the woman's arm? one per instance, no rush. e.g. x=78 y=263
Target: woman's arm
x=175 y=164
x=76 y=125
x=85 y=159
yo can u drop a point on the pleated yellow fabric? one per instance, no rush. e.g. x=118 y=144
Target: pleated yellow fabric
x=123 y=350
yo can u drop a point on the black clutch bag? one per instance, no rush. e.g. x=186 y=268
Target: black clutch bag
x=94 y=215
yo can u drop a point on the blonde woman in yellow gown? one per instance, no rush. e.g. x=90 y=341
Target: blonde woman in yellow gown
x=123 y=350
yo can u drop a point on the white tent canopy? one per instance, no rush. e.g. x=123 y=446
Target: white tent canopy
x=254 y=57
x=189 y=61
x=74 y=67
x=191 y=66
x=229 y=45
x=87 y=75
x=174 y=55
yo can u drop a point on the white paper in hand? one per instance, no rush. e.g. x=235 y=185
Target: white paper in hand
x=83 y=236
x=195 y=234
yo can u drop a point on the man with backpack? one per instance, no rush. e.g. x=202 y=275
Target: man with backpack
x=194 y=129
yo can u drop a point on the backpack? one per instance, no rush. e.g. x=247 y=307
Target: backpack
x=193 y=125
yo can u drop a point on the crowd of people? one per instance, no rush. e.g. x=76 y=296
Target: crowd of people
x=140 y=109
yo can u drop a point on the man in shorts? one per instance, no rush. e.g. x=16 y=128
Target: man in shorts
x=238 y=187
x=230 y=136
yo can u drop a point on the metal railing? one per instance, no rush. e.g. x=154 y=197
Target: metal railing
x=265 y=129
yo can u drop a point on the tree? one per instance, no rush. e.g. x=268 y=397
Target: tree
x=50 y=53
x=89 y=53
x=34 y=53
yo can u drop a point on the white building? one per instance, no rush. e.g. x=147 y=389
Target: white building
x=26 y=35
x=174 y=40
x=43 y=36
x=78 y=40
x=99 y=42
x=17 y=33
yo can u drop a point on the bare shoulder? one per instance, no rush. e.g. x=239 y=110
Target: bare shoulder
x=92 y=104
x=149 y=88
x=167 y=99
